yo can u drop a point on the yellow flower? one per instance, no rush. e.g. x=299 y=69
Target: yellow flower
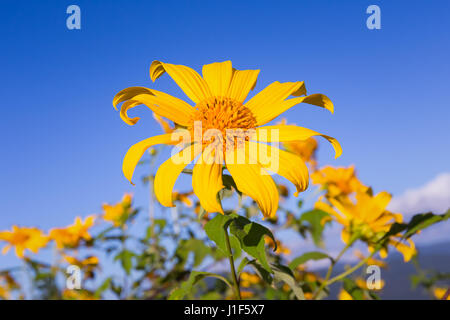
x=344 y=295
x=78 y=295
x=305 y=149
x=7 y=284
x=248 y=279
x=89 y=261
x=439 y=293
x=371 y=261
x=118 y=213
x=338 y=181
x=368 y=218
x=32 y=239
x=281 y=249
x=183 y=197
x=72 y=235
x=362 y=283
x=219 y=106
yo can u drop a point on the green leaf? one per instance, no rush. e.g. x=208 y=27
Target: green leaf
x=195 y=276
x=314 y=255
x=314 y=219
x=283 y=273
x=125 y=257
x=196 y=246
x=251 y=236
x=261 y=272
x=104 y=286
x=215 y=229
x=229 y=183
x=242 y=265
x=418 y=222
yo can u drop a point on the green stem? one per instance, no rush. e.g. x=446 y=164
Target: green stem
x=330 y=270
x=237 y=291
x=351 y=270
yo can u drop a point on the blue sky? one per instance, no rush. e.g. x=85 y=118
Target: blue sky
x=63 y=143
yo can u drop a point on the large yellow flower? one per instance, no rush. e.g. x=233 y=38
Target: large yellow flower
x=368 y=218
x=219 y=105
x=23 y=238
x=72 y=235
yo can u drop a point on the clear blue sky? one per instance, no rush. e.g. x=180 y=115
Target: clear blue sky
x=63 y=143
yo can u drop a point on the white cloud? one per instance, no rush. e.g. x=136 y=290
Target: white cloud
x=433 y=196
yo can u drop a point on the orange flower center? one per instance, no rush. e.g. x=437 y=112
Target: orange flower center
x=220 y=115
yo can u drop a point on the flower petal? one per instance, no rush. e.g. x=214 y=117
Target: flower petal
x=136 y=151
x=169 y=171
x=287 y=164
x=218 y=77
x=187 y=79
x=207 y=182
x=268 y=112
x=242 y=82
x=254 y=181
x=159 y=102
x=292 y=133
x=272 y=95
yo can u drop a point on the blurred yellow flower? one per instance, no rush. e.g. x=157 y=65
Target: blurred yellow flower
x=281 y=249
x=183 y=197
x=219 y=98
x=7 y=284
x=368 y=219
x=23 y=238
x=72 y=235
x=89 y=261
x=439 y=293
x=371 y=261
x=344 y=295
x=118 y=213
x=362 y=283
x=78 y=295
x=248 y=279
x=338 y=181
x=305 y=149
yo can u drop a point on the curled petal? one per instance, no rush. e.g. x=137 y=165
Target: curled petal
x=159 y=102
x=136 y=151
x=192 y=84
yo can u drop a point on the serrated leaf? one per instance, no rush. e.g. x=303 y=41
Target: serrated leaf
x=314 y=255
x=251 y=237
